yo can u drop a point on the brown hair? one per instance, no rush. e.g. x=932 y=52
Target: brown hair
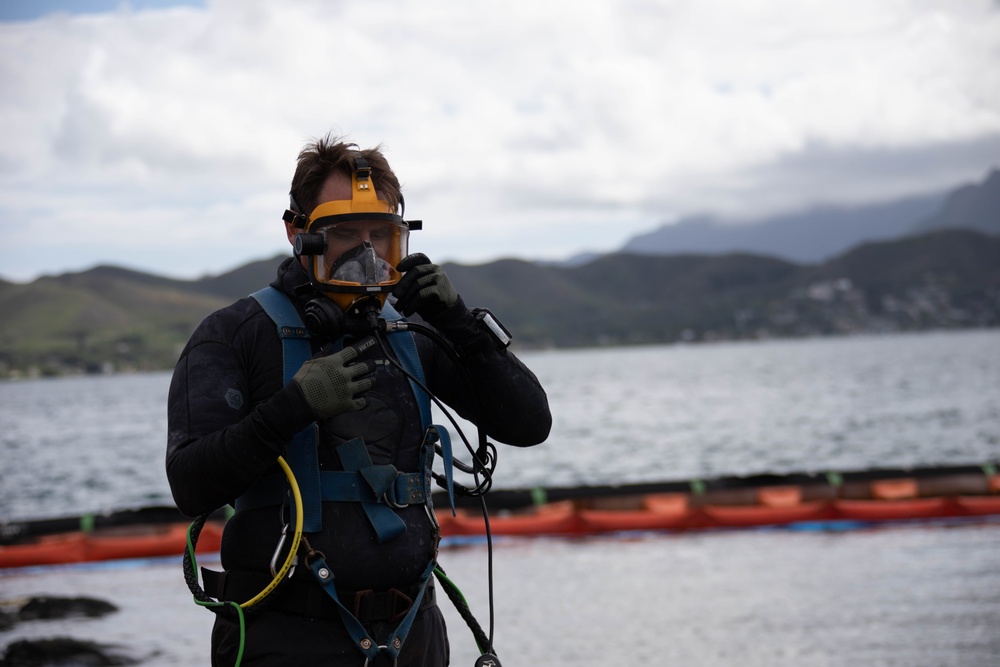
x=328 y=155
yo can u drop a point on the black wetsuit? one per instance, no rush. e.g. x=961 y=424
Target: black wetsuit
x=231 y=415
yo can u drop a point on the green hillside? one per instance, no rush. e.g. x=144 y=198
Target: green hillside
x=109 y=318
x=99 y=319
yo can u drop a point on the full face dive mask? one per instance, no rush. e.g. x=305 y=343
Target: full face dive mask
x=352 y=246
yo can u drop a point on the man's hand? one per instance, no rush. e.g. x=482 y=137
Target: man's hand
x=333 y=385
x=424 y=289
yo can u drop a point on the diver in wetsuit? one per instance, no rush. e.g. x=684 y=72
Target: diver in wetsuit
x=233 y=411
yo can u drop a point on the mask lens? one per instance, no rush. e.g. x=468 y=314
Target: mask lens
x=362 y=253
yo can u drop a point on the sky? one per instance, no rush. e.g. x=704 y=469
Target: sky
x=162 y=136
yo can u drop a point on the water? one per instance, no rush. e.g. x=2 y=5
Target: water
x=92 y=444
x=646 y=414
x=925 y=595
x=84 y=444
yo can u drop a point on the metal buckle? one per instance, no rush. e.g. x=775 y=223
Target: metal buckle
x=391 y=502
x=412 y=493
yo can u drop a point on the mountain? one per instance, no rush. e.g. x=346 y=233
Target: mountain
x=974 y=206
x=109 y=318
x=939 y=280
x=243 y=280
x=805 y=237
x=621 y=298
x=818 y=234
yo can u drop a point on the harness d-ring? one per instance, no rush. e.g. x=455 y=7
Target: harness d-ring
x=392 y=503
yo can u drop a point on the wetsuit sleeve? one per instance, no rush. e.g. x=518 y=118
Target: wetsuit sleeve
x=229 y=417
x=493 y=389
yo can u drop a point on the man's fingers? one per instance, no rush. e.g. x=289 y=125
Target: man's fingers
x=359 y=371
x=413 y=277
x=413 y=287
x=411 y=261
x=364 y=385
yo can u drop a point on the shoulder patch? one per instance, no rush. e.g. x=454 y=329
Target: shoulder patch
x=234 y=397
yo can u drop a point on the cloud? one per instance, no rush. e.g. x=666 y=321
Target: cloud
x=165 y=139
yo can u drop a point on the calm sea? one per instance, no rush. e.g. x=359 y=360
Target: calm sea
x=925 y=594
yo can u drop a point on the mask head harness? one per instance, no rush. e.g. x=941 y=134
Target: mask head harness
x=351 y=248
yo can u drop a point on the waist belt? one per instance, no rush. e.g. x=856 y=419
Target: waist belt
x=304 y=597
x=337 y=486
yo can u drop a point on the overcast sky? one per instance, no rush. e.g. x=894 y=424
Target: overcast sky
x=162 y=136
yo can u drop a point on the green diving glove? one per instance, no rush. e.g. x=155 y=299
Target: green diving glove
x=333 y=385
x=424 y=289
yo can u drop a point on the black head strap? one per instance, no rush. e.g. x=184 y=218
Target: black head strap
x=294 y=215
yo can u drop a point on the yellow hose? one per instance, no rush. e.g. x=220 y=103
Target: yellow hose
x=296 y=537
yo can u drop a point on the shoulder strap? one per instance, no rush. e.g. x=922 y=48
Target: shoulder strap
x=406 y=351
x=301 y=453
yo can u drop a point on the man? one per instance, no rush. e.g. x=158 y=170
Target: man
x=233 y=412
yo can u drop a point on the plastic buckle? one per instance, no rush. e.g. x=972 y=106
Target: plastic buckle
x=362 y=172
x=358 y=597
x=398 y=595
x=400 y=605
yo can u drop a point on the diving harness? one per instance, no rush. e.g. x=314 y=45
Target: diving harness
x=377 y=488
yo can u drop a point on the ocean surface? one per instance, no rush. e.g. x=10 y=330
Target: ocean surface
x=922 y=594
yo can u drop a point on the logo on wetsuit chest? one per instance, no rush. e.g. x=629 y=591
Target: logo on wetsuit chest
x=234 y=397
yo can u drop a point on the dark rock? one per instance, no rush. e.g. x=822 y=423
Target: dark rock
x=61 y=652
x=47 y=608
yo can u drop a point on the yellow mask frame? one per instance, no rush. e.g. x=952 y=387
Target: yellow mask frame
x=363 y=208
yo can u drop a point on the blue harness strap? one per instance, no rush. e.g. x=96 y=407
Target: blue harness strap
x=324 y=575
x=301 y=453
x=355 y=457
x=408 y=488
x=378 y=488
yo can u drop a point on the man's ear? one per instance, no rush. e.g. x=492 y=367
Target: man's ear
x=292 y=231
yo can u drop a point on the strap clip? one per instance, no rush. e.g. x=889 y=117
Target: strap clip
x=295 y=218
